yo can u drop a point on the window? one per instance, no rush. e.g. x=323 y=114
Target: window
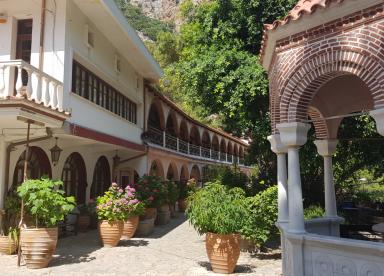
x=89 y=86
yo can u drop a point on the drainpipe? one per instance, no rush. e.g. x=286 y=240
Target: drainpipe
x=8 y=157
x=42 y=28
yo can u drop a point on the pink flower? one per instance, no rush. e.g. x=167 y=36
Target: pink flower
x=151 y=198
x=121 y=190
x=114 y=184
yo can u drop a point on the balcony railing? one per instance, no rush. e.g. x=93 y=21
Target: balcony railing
x=166 y=140
x=17 y=76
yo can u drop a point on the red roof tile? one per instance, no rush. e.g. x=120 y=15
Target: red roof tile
x=301 y=8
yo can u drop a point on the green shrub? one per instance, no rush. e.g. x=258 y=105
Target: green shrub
x=45 y=201
x=152 y=191
x=173 y=192
x=217 y=209
x=313 y=211
x=259 y=224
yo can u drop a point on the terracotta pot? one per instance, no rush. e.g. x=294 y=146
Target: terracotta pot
x=182 y=205
x=172 y=210
x=83 y=222
x=7 y=245
x=38 y=246
x=150 y=213
x=110 y=232
x=163 y=215
x=223 y=251
x=145 y=227
x=130 y=227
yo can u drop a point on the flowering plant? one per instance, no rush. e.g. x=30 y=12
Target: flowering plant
x=152 y=191
x=173 y=192
x=118 y=204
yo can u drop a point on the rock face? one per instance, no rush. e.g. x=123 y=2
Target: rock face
x=165 y=10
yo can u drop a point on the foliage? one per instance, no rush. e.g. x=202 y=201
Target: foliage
x=11 y=213
x=259 y=224
x=173 y=192
x=148 y=26
x=118 y=204
x=45 y=200
x=217 y=209
x=187 y=189
x=313 y=211
x=152 y=191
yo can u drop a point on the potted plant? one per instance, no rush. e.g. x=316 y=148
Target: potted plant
x=9 y=218
x=84 y=218
x=173 y=195
x=133 y=209
x=111 y=212
x=185 y=191
x=218 y=212
x=46 y=203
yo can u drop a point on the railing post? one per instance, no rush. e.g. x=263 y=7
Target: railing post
x=19 y=82
x=2 y=81
x=52 y=95
x=200 y=151
x=177 y=144
x=29 y=83
x=164 y=138
x=45 y=91
x=189 y=150
x=36 y=87
x=60 y=97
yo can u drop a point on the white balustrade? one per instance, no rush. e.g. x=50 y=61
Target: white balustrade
x=35 y=86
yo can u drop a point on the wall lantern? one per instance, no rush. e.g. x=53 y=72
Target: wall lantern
x=55 y=153
x=3 y=17
x=116 y=160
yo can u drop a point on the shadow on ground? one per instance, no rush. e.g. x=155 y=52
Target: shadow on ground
x=76 y=249
x=134 y=243
x=161 y=230
x=238 y=268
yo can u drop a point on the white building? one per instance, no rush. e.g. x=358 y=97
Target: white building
x=76 y=71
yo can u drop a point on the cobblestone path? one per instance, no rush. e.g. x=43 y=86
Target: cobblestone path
x=172 y=250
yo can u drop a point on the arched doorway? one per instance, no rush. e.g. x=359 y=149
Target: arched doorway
x=194 y=140
x=206 y=145
x=171 y=132
x=215 y=147
x=184 y=137
x=172 y=172
x=74 y=177
x=223 y=150
x=195 y=173
x=156 y=124
x=38 y=166
x=157 y=169
x=101 y=177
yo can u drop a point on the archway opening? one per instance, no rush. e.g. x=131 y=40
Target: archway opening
x=171 y=132
x=38 y=166
x=74 y=177
x=101 y=177
x=157 y=169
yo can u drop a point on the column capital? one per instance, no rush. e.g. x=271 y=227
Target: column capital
x=326 y=147
x=276 y=145
x=378 y=115
x=293 y=134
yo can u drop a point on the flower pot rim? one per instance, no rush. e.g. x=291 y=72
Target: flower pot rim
x=39 y=228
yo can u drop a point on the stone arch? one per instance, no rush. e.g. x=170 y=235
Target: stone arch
x=101 y=177
x=194 y=136
x=319 y=123
x=230 y=148
x=171 y=126
x=38 y=165
x=303 y=84
x=172 y=173
x=241 y=152
x=183 y=131
x=215 y=143
x=156 y=115
x=206 y=140
x=157 y=169
x=184 y=175
x=236 y=150
x=195 y=173
x=74 y=177
x=223 y=146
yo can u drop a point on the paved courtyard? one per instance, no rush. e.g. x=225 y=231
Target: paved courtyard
x=172 y=250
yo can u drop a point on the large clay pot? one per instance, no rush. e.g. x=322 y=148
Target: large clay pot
x=38 y=246
x=110 y=232
x=7 y=245
x=83 y=222
x=223 y=251
x=130 y=226
x=150 y=213
x=145 y=227
x=163 y=215
x=172 y=210
x=182 y=205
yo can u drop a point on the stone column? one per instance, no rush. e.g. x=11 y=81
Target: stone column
x=3 y=181
x=293 y=136
x=283 y=215
x=281 y=151
x=326 y=148
x=378 y=115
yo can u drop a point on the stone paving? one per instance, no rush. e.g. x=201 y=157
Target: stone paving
x=172 y=250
